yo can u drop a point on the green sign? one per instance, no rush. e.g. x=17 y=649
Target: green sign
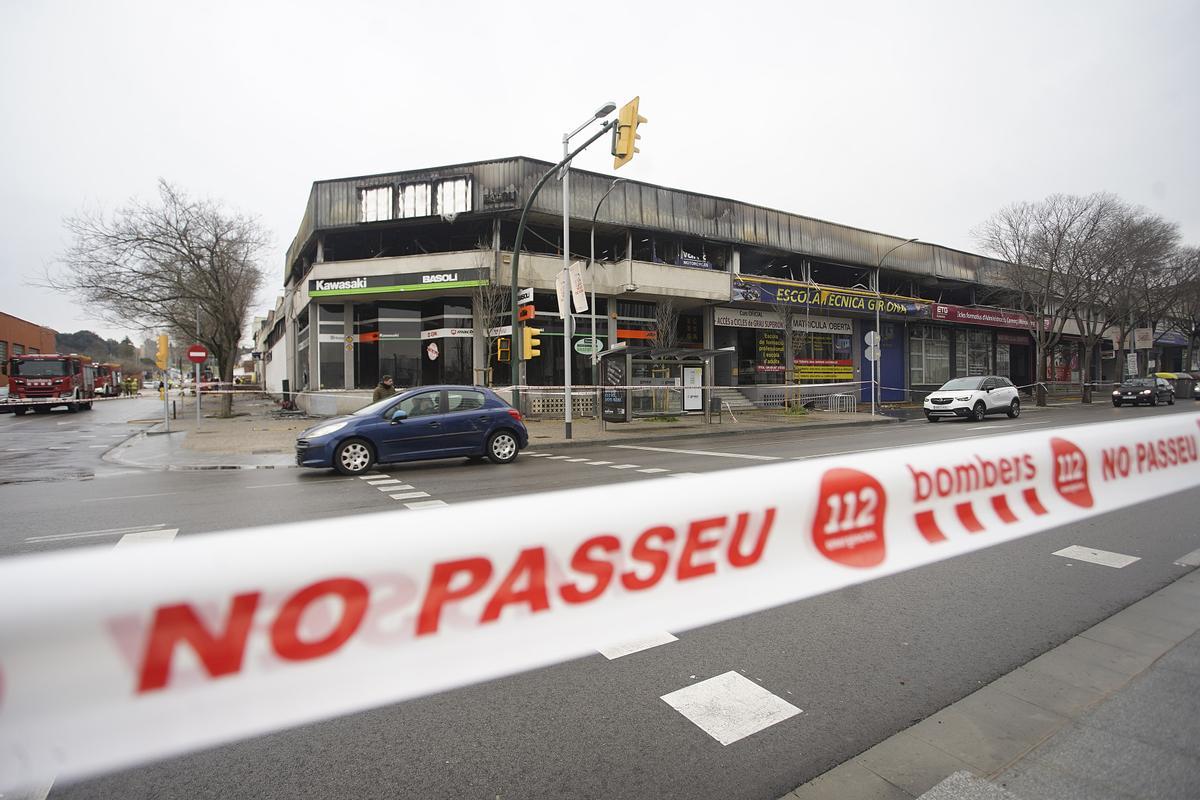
x=588 y=346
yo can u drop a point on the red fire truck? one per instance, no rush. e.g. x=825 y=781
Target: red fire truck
x=108 y=380
x=43 y=381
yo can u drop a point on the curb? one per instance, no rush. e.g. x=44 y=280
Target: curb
x=112 y=456
x=819 y=426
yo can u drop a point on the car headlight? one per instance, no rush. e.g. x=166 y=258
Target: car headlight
x=964 y=398
x=325 y=430
x=1145 y=391
x=1116 y=391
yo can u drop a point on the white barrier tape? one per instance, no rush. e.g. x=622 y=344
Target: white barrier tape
x=113 y=657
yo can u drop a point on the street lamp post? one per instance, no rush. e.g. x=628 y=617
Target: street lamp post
x=876 y=383
x=591 y=267
x=568 y=319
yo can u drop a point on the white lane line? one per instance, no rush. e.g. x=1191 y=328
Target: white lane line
x=132 y=497
x=652 y=470
x=623 y=466
x=558 y=458
x=410 y=495
x=683 y=474
x=386 y=482
x=425 y=504
x=637 y=645
x=52 y=537
x=164 y=536
x=730 y=707
x=67 y=422
x=58 y=447
x=15 y=450
x=1192 y=559
x=399 y=487
x=697 y=452
x=598 y=463
x=370 y=477
x=536 y=455
x=575 y=460
x=94 y=446
x=1013 y=425
x=87 y=437
x=1102 y=557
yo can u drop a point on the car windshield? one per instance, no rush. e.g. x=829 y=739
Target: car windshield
x=962 y=383
x=40 y=369
x=377 y=407
x=1143 y=382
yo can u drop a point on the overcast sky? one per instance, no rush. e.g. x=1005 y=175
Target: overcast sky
x=915 y=119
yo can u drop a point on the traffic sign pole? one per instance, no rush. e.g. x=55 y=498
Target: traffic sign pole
x=197 y=354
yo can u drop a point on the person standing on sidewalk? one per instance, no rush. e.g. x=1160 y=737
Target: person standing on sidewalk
x=384 y=389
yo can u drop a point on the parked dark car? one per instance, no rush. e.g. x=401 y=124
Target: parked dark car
x=1150 y=391
x=424 y=423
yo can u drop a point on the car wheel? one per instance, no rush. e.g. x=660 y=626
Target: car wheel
x=1153 y=399
x=931 y=418
x=353 y=457
x=979 y=412
x=1014 y=410
x=1171 y=399
x=20 y=412
x=502 y=447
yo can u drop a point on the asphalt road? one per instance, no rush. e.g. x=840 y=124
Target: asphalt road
x=862 y=663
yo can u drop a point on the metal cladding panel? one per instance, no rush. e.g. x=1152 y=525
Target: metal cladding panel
x=955 y=265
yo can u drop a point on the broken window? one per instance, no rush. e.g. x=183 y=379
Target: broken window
x=374 y=204
x=414 y=201
x=453 y=196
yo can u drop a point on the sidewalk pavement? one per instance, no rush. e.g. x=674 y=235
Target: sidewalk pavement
x=255 y=440
x=1112 y=713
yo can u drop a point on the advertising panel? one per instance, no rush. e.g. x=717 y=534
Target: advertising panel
x=409 y=282
x=772 y=291
x=773 y=320
x=994 y=317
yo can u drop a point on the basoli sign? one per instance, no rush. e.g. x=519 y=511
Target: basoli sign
x=404 y=282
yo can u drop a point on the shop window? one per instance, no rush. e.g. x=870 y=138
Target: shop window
x=979 y=353
x=1003 y=361
x=3 y=358
x=821 y=358
x=18 y=349
x=375 y=204
x=929 y=355
x=414 y=201
x=453 y=196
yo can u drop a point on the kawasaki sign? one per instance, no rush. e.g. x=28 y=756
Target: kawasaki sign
x=411 y=282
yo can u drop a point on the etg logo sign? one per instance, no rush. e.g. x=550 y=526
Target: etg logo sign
x=848 y=527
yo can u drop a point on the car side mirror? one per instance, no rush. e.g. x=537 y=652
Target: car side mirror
x=399 y=414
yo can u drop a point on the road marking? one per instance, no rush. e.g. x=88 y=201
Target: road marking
x=1013 y=425
x=575 y=460
x=58 y=447
x=623 y=466
x=598 y=463
x=132 y=497
x=54 y=537
x=163 y=536
x=536 y=455
x=399 y=487
x=1192 y=559
x=370 y=477
x=558 y=458
x=1101 y=557
x=425 y=504
x=684 y=474
x=386 y=482
x=652 y=470
x=697 y=452
x=37 y=792
x=67 y=422
x=15 y=450
x=730 y=707
x=94 y=446
x=637 y=645
x=410 y=495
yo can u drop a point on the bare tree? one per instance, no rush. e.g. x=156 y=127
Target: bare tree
x=1045 y=244
x=1187 y=299
x=666 y=324
x=160 y=264
x=1142 y=280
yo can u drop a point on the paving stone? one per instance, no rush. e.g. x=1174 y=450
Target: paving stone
x=1118 y=659
x=911 y=763
x=1048 y=692
x=1078 y=671
x=850 y=780
x=1033 y=780
x=1123 y=764
x=965 y=786
x=1143 y=619
x=1129 y=639
x=988 y=729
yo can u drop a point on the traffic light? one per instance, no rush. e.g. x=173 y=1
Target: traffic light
x=163 y=358
x=625 y=135
x=531 y=342
x=503 y=349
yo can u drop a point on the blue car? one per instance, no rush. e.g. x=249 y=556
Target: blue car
x=429 y=422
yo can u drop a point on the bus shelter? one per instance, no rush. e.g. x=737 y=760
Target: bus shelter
x=655 y=382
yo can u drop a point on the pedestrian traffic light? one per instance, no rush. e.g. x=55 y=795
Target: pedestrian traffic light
x=163 y=358
x=531 y=342
x=625 y=135
x=503 y=349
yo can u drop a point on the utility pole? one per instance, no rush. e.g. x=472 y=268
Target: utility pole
x=877 y=364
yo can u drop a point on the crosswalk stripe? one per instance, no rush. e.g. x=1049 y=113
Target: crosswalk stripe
x=599 y=463
x=683 y=474
x=624 y=466
x=426 y=504
x=637 y=645
x=410 y=495
x=163 y=536
x=558 y=458
x=386 y=481
x=575 y=460
x=394 y=486
x=652 y=470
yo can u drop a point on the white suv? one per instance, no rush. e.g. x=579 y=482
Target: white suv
x=973 y=398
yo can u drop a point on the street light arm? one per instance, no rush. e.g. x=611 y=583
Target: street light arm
x=894 y=249
x=516 y=348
